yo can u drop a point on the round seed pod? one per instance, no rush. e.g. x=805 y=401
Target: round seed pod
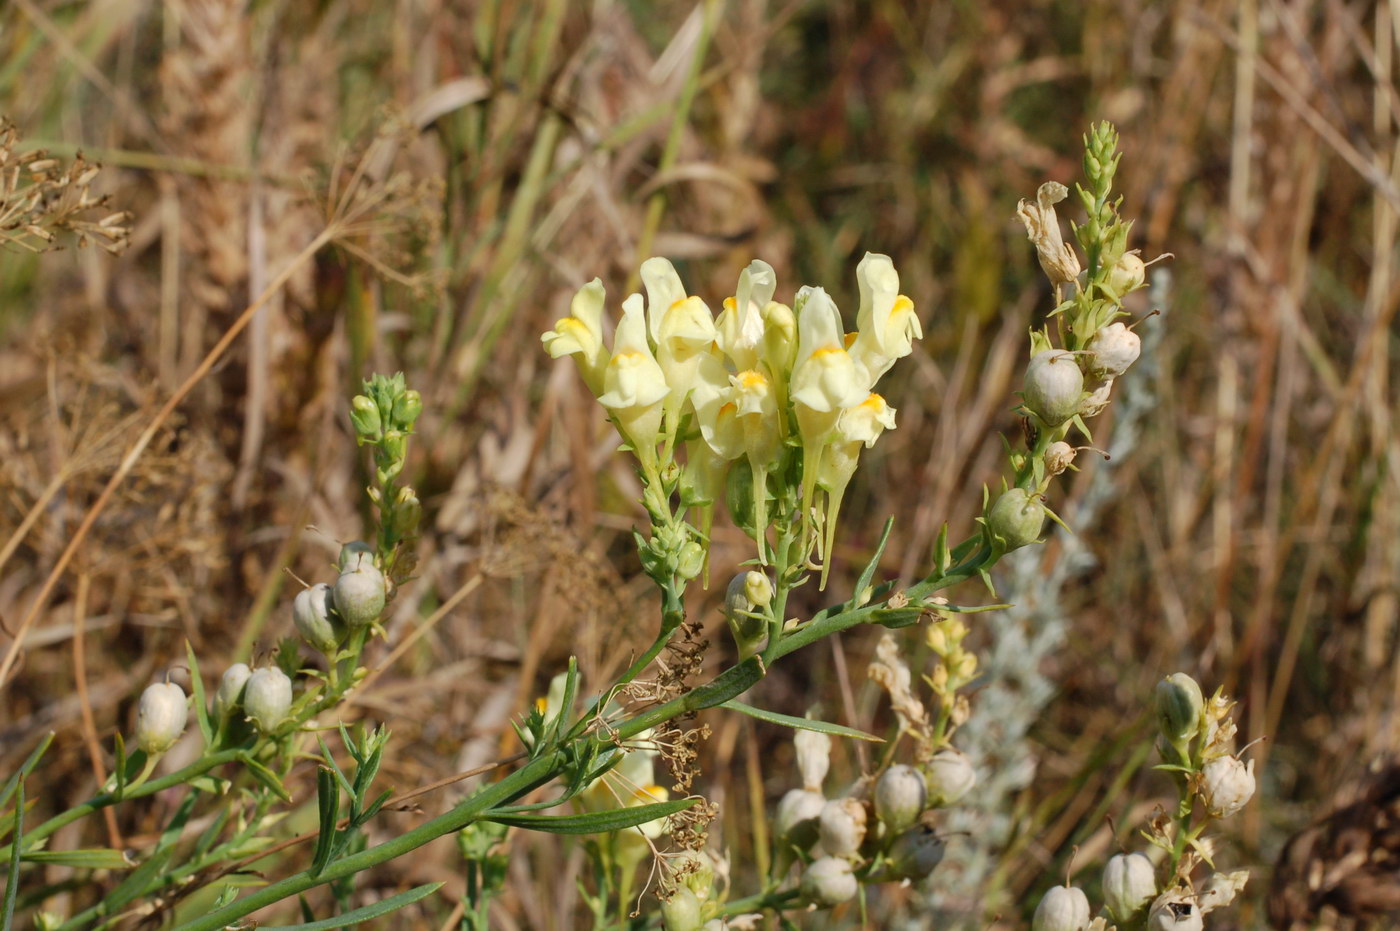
x=915 y=853
x=900 y=795
x=266 y=698
x=1114 y=348
x=1179 y=702
x=1059 y=456
x=949 y=776
x=1053 y=386
x=1017 y=518
x=160 y=717
x=829 y=881
x=360 y=595
x=1228 y=785
x=354 y=554
x=230 y=691
x=1129 y=884
x=1128 y=274
x=1174 y=911
x=1064 y=908
x=796 y=817
x=841 y=827
x=681 y=911
x=313 y=611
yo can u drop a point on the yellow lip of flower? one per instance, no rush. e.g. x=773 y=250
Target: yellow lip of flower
x=542 y=704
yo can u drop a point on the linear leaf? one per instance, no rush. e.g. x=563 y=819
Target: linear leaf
x=90 y=858
x=201 y=710
x=597 y=822
x=328 y=804
x=804 y=724
x=391 y=904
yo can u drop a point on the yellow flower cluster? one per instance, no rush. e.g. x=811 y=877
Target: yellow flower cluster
x=760 y=377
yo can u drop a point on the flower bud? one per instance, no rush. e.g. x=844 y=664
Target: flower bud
x=1114 y=348
x=1227 y=784
x=1064 y=908
x=266 y=698
x=313 y=612
x=758 y=588
x=796 y=817
x=1179 y=702
x=407 y=407
x=1127 y=274
x=160 y=717
x=364 y=414
x=915 y=853
x=1053 y=386
x=1129 y=884
x=949 y=776
x=841 y=827
x=829 y=881
x=900 y=795
x=681 y=911
x=354 y=554
x=1017 y=518
x=1059 y=456
x=230 y=691
x=359 y=594
x=690 y=561
x=1174 y=911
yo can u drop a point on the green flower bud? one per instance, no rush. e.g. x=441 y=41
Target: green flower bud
x=1129 y=884
x=360 y=595
x=267 y=697
x=915 y=853
x=796 y=817
x=364 y=415
x=313 y=612
x=1017 y=518
x=407 y=407
x=1064 y=908
x=1127 y=274
x=160 y=717
x=841 y=827
x=900 y=796
x=690 y=560
x=949 y=776
x=354 y=554
x=230 y=692
x=681 y=911
x=829 y=881
x=1179 y=703
x=1053 y=386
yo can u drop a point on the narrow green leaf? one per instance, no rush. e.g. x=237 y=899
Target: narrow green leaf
x=384 y=907
x=92 y=858
x=201 y=710
x=12 y=875
x=597 y=822
x=804 y=724
x=328 y=805
x=895 y=618
x=335 y=767
x=942 y=559
x=731 y=683
x=25 y=768
x=566 y=706
x=267 y=777
x=141 y=879
x=373 y=808
x=868 y=573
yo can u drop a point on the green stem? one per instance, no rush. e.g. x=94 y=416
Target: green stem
x=771 y=899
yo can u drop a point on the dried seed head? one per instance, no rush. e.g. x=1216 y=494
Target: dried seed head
x=1053 y=386
x=313 y=612
x=1064 y=908
x=829 y=881
x=1129 y=884
x=1058 y=259
x=1095 y=402
x=160 y=717
x=1059 y=456
x=266 y=698
x=900 y=795
x=230 y=691
x=1175 y=911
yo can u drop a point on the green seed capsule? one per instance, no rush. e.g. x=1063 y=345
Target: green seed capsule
x=900 y=796
x=1017 y=518
x=230 y=691
x=359 y=595
x=160 y=717
x=829 y=881
x=1179 y=702
x=313 y=612
x=1053 y=386
x=267 y=697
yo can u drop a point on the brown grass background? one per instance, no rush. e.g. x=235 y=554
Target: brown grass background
x=1254 y=542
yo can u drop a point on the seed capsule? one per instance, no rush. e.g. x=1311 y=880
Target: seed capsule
x=1059 y=456
x=267 y=697
x=681 y=911
x=1127 y=274
x=796 y=817
x=313 y=611
x=1129 y=884
x=916 y=853
x=1017 y=518
x=1064 y=908
x=841 y=827
x=230 y=691
x=353 y=554
x=1173 y=911
x=1228 y=785
x=1114 y=348
x=1179 y=702
x=829 y=881
x=949 y=776
x=160 y=717
x=1053 y=386
x=900 y=795
x=359 y=594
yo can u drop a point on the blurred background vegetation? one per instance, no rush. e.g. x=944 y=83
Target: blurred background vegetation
x=1251 y=536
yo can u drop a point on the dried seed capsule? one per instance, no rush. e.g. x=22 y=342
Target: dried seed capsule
x=1059 y=456
x=160 y=717
x=359 y=594
x=1129 y=884
x=900 y=795
x=1114 y=348
x=915 y=853
x=313 y=611
x=230 y=691
x=1017 y=518
x=796 y=817
x=1179 y=702
x=1053 y=386
x=266 y=698
x=1228 y=785
x=1064 y=908
x=829 y=881
x=841 y=827
x=949 y=776
x=1174 y=911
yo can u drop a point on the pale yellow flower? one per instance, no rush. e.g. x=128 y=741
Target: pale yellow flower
x=581 y=335
x=633 y=384
x=886 y=323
